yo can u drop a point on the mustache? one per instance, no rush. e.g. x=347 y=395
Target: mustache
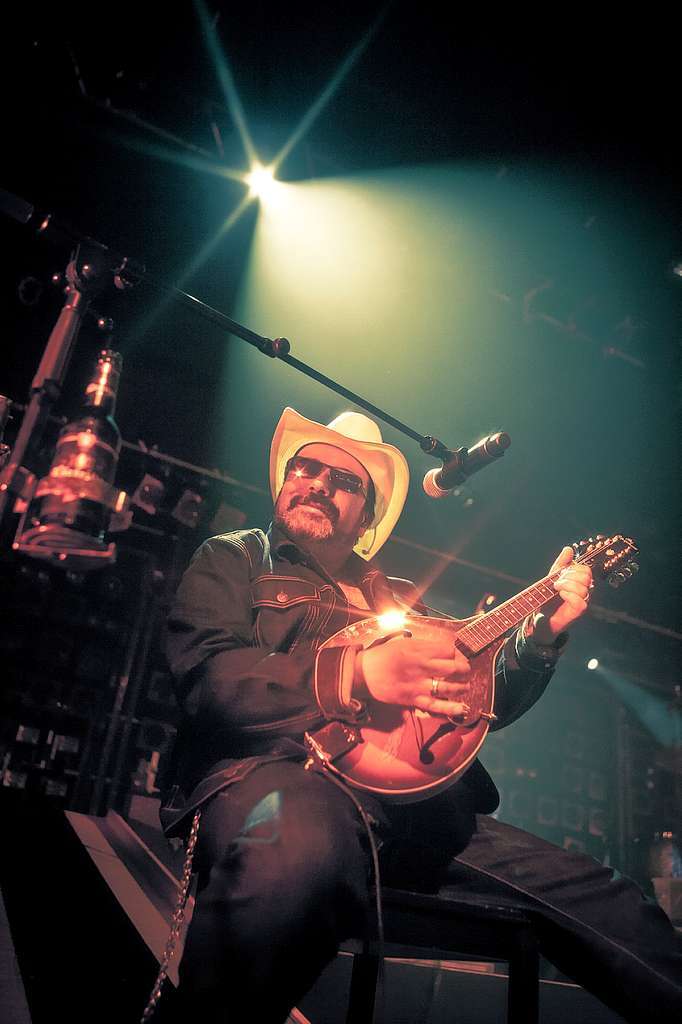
x=326 y=506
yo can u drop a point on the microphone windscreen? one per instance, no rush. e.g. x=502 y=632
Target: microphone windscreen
x=431 y=487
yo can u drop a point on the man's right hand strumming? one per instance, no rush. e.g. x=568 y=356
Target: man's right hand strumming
x=426 y=674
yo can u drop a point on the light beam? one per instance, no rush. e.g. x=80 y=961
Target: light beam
x=226 y=80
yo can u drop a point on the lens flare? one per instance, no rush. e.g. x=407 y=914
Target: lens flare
x=392 y=620
x=261 y=182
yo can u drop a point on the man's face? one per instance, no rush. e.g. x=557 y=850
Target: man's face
x=315 y=507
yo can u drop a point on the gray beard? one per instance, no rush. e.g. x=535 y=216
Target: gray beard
x=306 y=525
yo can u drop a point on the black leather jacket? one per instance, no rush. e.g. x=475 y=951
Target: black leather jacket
x=243 y=644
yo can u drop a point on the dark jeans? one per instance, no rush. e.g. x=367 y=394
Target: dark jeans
x=285 y=875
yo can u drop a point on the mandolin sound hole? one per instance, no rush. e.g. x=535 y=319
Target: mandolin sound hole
x=426 y=755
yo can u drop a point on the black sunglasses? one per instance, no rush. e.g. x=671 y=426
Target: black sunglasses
x=342 y=479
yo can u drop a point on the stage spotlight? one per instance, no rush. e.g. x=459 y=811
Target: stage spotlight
x=188 y=509
x=227 y=518
x=261 y=182
x=593 y=663
x=148 y=494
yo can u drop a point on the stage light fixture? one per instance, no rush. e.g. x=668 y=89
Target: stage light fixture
x=227 y=518
x=148 y=494
x=188 y=509
x=592 y=664
x=261 y=182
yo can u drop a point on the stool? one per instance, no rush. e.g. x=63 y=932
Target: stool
x=452 y=928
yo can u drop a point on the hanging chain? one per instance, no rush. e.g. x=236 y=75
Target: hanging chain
x=176 y=921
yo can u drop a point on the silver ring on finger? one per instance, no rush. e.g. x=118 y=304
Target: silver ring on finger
x=435 y=683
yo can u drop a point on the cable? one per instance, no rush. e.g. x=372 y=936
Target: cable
x=379 y=1000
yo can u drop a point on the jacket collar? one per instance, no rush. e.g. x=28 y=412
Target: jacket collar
x=285 y=546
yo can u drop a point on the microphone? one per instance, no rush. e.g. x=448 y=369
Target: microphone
x=438 y=483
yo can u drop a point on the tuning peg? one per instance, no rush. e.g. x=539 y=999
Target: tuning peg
x=624 y=573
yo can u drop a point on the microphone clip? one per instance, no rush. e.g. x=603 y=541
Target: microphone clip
x=453 y=468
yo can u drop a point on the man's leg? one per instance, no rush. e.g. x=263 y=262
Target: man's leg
x=283 y=878
x=595 y=926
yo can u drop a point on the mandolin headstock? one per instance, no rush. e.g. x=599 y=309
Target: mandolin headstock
x=611 y=558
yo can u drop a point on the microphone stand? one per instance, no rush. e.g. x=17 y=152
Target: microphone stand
x=92 y=265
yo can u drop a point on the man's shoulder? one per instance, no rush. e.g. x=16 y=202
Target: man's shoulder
x=409 y=593
x=252 y=544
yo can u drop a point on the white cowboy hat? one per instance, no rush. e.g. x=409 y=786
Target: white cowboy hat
x=360 y=436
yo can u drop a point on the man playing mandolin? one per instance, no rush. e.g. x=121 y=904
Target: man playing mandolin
x=278 y=724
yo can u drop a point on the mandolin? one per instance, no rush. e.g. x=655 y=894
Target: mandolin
x=407 y=755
